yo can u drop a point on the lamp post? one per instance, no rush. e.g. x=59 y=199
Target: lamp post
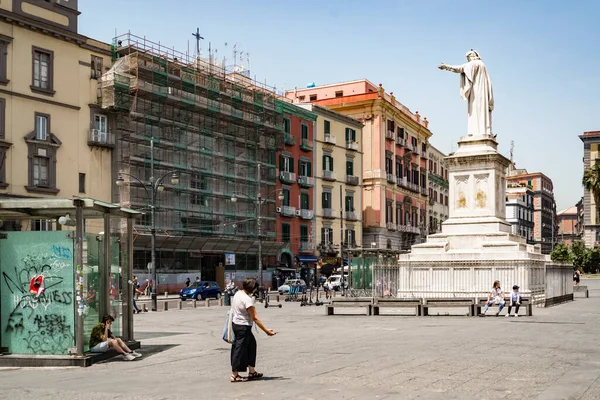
x=258 y=203
x=152 y=191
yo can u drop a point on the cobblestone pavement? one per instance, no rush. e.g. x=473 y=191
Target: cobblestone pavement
x=552 y=355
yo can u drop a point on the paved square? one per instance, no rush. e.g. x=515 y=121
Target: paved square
x=552 y=355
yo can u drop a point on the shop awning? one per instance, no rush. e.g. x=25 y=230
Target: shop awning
x=286 y=269
x=306 y=259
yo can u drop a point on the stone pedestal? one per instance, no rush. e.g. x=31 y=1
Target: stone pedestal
x=476 y=246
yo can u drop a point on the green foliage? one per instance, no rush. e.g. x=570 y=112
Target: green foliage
x=561 y=253
x=578 y=254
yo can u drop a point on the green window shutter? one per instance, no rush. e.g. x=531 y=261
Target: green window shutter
x=353 y=135
x=349 y=168
x=304 y=131
x=291 y=164
x=327 y=127
x=348 y=203
x=324 y=162
x=309 y=169
x=323 y=231
x=281 y=163
x=304 y=201
x=331 y=163
x=324 y=200
x=347 y=134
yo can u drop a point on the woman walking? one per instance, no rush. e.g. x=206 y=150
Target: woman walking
x=243 y=349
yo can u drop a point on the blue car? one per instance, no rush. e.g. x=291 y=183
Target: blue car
x=200 y=291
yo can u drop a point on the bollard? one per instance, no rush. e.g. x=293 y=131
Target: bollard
x=166 y=306
x=195 y=304
x=180 y=304
x=221 y=301
x=144 y=307
x=166 y=294
x=207 y=303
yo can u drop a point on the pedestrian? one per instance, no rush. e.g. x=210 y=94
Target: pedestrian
x=136 y=292
x=576 y=277
x=243 y=349
x=515 y=300
x=496 y=296
x=187 y=282
x=197 y=279
x=102 y=338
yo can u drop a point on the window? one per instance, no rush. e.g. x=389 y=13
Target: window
x=349 y=203
x=312 y=97
x=304 y=131
x=41 y=225
x=81 y=183
x=326 y=235
x=414 y=142
x=339 y=93
x=304 y=201
x=285 y=233
x=350 y=135
x=389 y=212
x=96 y=67
x=350 y=167
x=4 y=42
x=40 y=171
x=350 y=236
x=100 y=125
x=286 y=164
x=327 y=163
x=304 y=233
x=2 y=118
x=286 y=125
x=398 y=213
x=398 y=168
x=391 y=125
x=286 y=198
x=41 y=127
x=42 y=70
x=327 y=127
x=326 y=200
x=401 y=133
x=301 y=98
x=388 y=165
x=304 y=168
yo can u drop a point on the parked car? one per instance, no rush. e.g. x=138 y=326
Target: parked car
x=285 y=288
x=334 y=282
x=201 y=291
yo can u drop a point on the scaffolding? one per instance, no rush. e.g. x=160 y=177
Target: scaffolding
x=210 y=126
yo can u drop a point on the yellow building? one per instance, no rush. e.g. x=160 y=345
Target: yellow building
x=54 y=140
x=338 y=186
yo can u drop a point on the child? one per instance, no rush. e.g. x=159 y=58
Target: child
x=515 y=300
x=496 y=296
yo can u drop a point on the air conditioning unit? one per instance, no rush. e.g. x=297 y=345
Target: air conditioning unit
x=298 y=213
x=282 y=176
x=278 y=209
x=95 y=134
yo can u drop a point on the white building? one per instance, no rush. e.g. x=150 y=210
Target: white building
x=519 y=210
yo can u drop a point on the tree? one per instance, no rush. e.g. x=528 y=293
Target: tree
x=561 y=253
x=591 y=181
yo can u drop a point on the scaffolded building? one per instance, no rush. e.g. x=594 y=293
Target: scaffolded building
x=213 y=129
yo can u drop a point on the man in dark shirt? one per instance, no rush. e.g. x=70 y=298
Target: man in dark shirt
x=101 y=339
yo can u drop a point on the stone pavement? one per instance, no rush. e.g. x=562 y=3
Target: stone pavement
x=552 y=355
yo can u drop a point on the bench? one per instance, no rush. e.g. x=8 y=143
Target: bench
x=365 y=302
x=448 y=302
x=398 y=303
x=525 y=304
x=581 y=289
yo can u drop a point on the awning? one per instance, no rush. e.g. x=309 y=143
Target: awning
x=306 y=259
x=286 y=269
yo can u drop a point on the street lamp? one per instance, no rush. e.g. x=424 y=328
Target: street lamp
x=152 y=189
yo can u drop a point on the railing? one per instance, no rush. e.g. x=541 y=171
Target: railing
x=352 y=180
x=352 y=146
x=402 y=182
x=330 y=139
x=288 y=177
x=401 y=141
x=423 y=191
x=414 y=149
x=409 y=228
x=424 y=154
x=307 y=181
x=328 y=213
x=306 y=145
x=390 y=226
x=414 y=187
x=389 y=135
x=352 y=215
x=390 y=177
x=328 y=175
x=400 y=227
x=307 y=214
x=307 y=246
x=101 y=139
x=289 y=139
x=288 y=211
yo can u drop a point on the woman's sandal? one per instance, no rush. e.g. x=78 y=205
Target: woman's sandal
x=238 y=378
x=255 y=375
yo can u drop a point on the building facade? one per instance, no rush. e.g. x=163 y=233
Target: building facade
x=520 y=210
x=544 y=216
x=296 y=179
x=570 y=224
x=53 y=142
x=591 y=156
x=438 y=190
x=395 y=153
x=338 y=187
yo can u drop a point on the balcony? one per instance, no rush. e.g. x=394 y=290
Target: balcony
x=413 y=187
x=391 y=226
x=307 y=247
x=401 y=141
x=289 y=139
x=414 y=148
x=389 y=135
x=423 y=191
x=352 y=215
x=288 y=211
x=424 y=154
x=329 y=139
x=390 y=177
x=352 y=180
x=307 y=214
x=306 y=181
x=402 y=182
x=352 y=146
x=287 y=177
x=328 y=175
x=328 y=213
x=306 y=145
x=409 y=229
x=101 y=139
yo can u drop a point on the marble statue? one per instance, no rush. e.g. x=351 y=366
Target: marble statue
x=476 y=88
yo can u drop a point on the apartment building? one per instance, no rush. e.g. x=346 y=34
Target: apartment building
x=544 y=215
x=520 y=210
x=570 y=224
x=591 y=157
x=438 y=190
x=53 y=139
x=338 y=194
x=395 y=144
x=296 y=169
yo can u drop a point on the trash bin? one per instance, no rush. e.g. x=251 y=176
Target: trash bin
x=227 y=298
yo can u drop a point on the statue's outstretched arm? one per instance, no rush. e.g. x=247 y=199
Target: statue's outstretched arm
x=452 y=68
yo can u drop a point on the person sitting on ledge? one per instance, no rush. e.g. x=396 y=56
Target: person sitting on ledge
x=101 y=339
x=496 y=296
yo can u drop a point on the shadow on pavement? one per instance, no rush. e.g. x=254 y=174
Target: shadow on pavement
x=147 y=351
x=153 y=335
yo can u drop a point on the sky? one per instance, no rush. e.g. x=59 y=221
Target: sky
x=542 y=57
